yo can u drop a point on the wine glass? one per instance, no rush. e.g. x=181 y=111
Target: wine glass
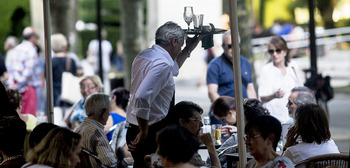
x=188 y=15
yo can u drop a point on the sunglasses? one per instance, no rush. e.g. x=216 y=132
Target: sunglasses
x=278 y=51
x=230 y=45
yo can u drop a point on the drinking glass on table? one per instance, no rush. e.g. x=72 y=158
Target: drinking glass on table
x=218 y=134
x=188 y=15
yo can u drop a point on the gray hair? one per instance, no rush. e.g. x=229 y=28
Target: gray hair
x=228 y=33
x=59 y=43
x=95 y=103
x=167 y=32
x=12 y=41
x=305 y=95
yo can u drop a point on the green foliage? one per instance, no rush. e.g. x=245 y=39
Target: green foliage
x=343 y=23
x=110 y=16
x=277 y=9
x=11 y=23
x=110 y=12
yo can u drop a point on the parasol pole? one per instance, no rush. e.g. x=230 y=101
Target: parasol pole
x=48 y=61
x=238 y=82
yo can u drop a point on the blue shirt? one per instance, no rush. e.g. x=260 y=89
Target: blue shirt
x=116 y=119
x=220 y=72
x=78 y=113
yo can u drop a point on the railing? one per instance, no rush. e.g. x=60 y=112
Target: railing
x=338 y=35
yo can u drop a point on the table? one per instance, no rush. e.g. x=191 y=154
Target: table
x=202 y=146
x=234 y=157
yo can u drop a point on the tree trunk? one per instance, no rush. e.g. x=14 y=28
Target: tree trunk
x=245 y=31
x=131 y=33
x=59 y=16
x=326 y=8
x=244 y=28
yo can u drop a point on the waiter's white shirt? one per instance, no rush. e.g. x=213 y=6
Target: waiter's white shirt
x=152 y=85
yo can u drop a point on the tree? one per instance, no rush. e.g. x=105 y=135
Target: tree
x=131 y=33
x=244 y=28
x=326 y=8
x=59 y=17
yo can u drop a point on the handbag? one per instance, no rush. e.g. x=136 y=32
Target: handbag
x=70 y=91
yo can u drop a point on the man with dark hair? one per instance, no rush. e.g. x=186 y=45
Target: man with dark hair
x=12 y=133
x=152 y=88
x=189 y=116
x=22 y=73
x=176 y=146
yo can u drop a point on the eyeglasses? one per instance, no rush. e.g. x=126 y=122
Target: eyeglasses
x=230 y=45
x=290 y=103
x=248 y=138
x=88 y=87
x=278 y=51
x=197 y=120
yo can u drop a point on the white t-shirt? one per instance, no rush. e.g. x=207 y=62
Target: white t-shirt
x=304 y=150
x=106 y=52
x=270 y=80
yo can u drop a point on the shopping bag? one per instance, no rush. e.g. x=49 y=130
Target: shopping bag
x=70 y=91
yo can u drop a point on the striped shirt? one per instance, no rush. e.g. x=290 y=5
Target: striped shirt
x=95 y=141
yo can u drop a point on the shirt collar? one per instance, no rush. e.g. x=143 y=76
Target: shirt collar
x=94 y=122
x=163 y=52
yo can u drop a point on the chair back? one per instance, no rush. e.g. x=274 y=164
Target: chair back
x=84 y=159
x=339 y=160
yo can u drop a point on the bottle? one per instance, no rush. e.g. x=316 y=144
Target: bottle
x=206 y=127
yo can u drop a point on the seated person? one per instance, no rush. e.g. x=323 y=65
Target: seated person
x=16 y=102
x=262 y=136
x=224 y=109
x=312 y=126
x=176 y=146
x=12 y=133
x=60 y=148
x=119 y=101
x=39 y=132
x=189 y=116
x=97 y=107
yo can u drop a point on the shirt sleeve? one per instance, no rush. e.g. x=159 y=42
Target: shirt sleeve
x=265 y=86
x=154 y=81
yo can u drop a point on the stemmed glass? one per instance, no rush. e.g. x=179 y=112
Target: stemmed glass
x=188 y=15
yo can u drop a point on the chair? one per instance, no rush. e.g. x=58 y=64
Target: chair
x=84 y=158
x=340 y=160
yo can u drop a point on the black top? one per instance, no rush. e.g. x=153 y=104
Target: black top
x=58 y=67
x=2 y=65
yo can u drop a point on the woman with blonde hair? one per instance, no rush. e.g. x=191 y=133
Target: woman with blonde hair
x=88 y=86
x=60 y=63
x=59 y=149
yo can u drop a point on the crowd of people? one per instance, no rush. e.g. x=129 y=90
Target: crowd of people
x=283 y=124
